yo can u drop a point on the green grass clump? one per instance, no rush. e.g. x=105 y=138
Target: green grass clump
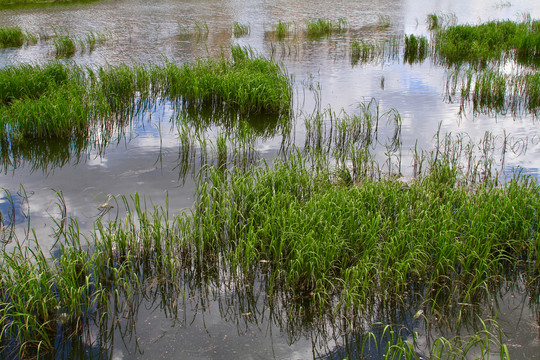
x=492 y=91
x=362 y=51
x=282 y=30
x=321 y=27
x=247 y=82
x=46 y=299
x=374 y=238
x=62 y=101
x=240 y=29
x=489 y=42
x=11 y=37
x=30 y=82
x=416 y=48
x=64 y=46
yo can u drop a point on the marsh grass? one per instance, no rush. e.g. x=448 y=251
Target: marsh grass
x=282 y=30
x=240 y=30
x=323 y=231
x=438 y=21
x=375 y=51
x=198 y=30
x=416 y=48
x=62 y=101
x=492 y=91
x=489 y=42
x=383 y=21
x=11 y=37
x=65 y=46
x=362 y=51
x=323 y=27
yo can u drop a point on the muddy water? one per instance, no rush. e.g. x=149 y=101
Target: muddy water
x=145 y=156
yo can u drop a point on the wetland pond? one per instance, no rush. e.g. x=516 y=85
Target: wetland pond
x=149 y=209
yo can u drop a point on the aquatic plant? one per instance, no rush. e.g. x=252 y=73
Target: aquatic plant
x=333 y=234
x=320 y=27
x=282 y=30
x=92 y=39
x=432 y=21
x=64 y=100
x=437 y=21
x=492 y=91
x=248 y=82
x=364 y=51
x=240 y=29
x=492 y=41
x=416 y=48
x=64 y=46
x=11 y=37
x=197 y=30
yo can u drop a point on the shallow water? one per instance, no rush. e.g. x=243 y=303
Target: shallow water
x=144 y=157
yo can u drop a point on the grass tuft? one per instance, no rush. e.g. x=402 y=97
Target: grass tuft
x=11 y=37
x=240 y=30
x=321 y=27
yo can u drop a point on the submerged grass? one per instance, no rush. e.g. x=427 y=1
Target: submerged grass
x=64 y=46
x=282 y=30
x=375 y=51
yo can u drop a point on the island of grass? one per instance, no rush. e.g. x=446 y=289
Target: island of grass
x=343 y=247
x=58 y=101
x=489 y=42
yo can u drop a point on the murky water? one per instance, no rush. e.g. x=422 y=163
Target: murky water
x=144 y=158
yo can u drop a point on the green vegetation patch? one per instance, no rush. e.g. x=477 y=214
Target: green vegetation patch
x=240 y=29
x=59 y=101
x=11 y=37
x=490 y=41
x=372 y=238
x=492 y=91
x=321 y=27
x=306 y=234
